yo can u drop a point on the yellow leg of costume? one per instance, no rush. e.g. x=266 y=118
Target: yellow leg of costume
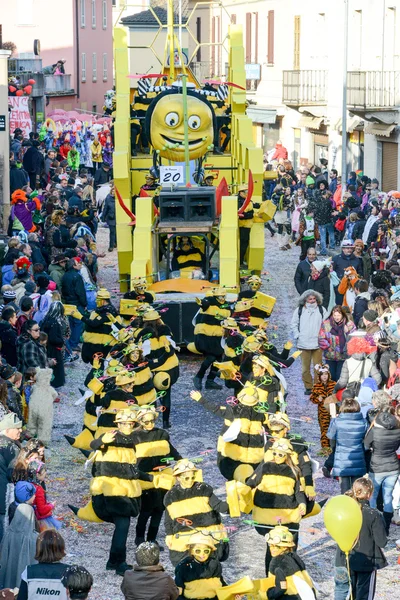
x=243 y=472
x=82 y=441
x=315 y=511
x=192 y=348
x=87 y=514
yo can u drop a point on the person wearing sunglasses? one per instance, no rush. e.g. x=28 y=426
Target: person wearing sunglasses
x=199 y=575
x=29 y=352
x=153 y=449
x=286 y=567
x=192 y=504
x=277 y=492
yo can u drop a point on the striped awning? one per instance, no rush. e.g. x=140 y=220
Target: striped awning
x=380 y=129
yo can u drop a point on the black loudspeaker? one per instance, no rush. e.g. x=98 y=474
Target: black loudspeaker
x=191 y=204
x=179 y=317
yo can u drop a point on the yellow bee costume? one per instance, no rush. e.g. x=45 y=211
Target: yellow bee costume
x=98 y=327
x=197 y=503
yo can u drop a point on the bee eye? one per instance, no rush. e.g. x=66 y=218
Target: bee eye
x=172 y=119
x=194 y=122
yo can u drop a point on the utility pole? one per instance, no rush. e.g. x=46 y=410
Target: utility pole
x=344 y=97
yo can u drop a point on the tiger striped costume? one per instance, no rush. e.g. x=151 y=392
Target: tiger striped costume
x=324 y=390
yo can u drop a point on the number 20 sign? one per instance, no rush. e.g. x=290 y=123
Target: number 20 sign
x=171 y=175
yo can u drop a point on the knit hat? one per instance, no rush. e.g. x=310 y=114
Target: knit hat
x=7 y=371
x=347 y=244
x=24 y=490
x=310 y=180
x=30 y=287
x=10 y=421
x=9 y=295
x=320 y=264
x=370 y=315
x=52 y=286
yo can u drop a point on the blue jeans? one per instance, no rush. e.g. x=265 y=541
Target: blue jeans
x=323 y=230
x=387 y=481
x=76 y=330
x=342 y=583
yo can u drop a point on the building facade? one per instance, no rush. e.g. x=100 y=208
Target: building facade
x=77 y=31
x=295 y=63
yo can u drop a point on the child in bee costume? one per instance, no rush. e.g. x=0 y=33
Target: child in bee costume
x=192 y=504
x=271 y=385
x=115 y=486
x=208 y=334
x=277 y=491
x=232 y=346
x=97 y=335
x=159 y=350
x=186 y=257
x=116 y=399
x=291 y=577
x=143 y=386
x=152 y=445
x=257 y=316
x=140 y=292
x=99 y=389
x=279 y=428
x=199 y=575
x=241 y=441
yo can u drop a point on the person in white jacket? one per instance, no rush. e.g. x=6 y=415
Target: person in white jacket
x=306 y=323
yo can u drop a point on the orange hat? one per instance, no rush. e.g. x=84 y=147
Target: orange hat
x=17 y=196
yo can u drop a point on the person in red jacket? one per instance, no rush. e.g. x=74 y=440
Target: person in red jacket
x=280 y=151
x=43 y=510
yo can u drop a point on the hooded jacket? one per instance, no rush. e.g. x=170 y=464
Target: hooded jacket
x=302 y=274
x=353 y=369
x=348 y=430
x=73 y=288
x=321 y=285
x=148 y=583
x=360 y=306
x=367 y=554
x=56 y=273
x=306 y=322
x=383 y=438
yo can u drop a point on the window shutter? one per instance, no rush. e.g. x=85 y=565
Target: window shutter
x=93 y=14
x=198 y=37
x=256 y=37
x=104 y=14
x=296 y=57
x=271 y=32
x=105 y=70
x=248 y=37
x=83 y=13
x=94 y=67
x=83 y=67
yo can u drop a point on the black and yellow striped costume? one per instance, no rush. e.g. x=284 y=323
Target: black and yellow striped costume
x=199 y=580
x=257 y=316
x=151 y=447
x=208 y=331
x=113 y=401
x=146 y=297
x=201 y=506
x=277 y=496
x=283 y=568
x=187 y=260
x=324 y=418
x=115 y=490
x=232 y=348
x=248 y=447
x=97 y=334
x=161 y=355
x=268 y=389
x=143 y=387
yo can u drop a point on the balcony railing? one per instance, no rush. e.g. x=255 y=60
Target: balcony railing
x=368 y=90
x=58 y=84
x=304 y=88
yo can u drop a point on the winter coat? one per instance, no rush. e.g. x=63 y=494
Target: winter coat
x=372 y=219
x=18 y=178
x=148 y=583
x=302 y=274
x=367 y=554
x=358 y=229
x=9 y=450
x=14 y=400
x=373 y=232
x=30 y=353
x=73 y=159
x=342 y=262
x=60 y=240
x=7 y=274
x=37 y=256
x=33 y=161
x=8 y=339
x=73 y=288
x=75 y=201
x=306 y=323
x=323 y=211
x=101 y=177
x=347 y=431
x=321 y=285
x=108 y=214
x=56 y=273
x=330 y=343
x=383 y=438
x=55 y=345
x=360 y=306
x=353 y=369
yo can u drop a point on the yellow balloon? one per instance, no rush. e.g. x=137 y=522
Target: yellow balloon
x=343 y=520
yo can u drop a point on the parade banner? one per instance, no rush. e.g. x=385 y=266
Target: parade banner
x=19 y=114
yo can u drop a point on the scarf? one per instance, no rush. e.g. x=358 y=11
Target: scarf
x=315 y=276
x=337 y=329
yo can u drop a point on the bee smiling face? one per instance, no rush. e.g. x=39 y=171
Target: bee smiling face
x=167 y=127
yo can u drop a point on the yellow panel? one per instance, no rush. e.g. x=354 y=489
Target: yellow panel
x=142 y=241
x=256 y=248
x=229 y=244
